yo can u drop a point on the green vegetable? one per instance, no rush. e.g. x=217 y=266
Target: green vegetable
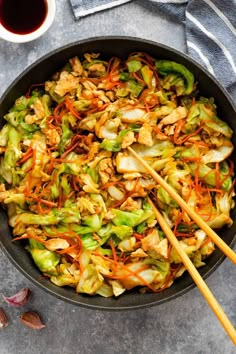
x=162 y=267
x=111 y=145
x=11 y=156
x=130 y=218
x=95 y=61
x=134 y=65
x=90 y=281
x=166 y=67
x=67 y=215
x=45 y=260
x=66 y=131
x=174 y=81
x=135 y=87
x=88 y=242
x=82 y=105
x=4 y=133
x=91 y=224
x=46 y=101
x=165 y=198
x=209 y=175
x=124 y=76
x=147 y=74
x=54 y=95
x=105 y=290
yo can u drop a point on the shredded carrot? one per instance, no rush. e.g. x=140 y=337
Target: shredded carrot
x=71 y=108
x=113 y=250
x=138 y=236
x=139 y=79
x=26 y=156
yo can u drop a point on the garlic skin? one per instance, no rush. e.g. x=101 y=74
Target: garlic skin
x=19 y=299
x=3 y=319
x=31 y=320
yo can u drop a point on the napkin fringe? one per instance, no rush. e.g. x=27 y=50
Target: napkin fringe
x=81 y=12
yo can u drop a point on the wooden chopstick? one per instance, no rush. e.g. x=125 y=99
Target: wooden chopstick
x=202 y=286
x=199 y=221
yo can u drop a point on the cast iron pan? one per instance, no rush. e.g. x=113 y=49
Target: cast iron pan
x=41 y=71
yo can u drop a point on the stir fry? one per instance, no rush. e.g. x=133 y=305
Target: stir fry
x=77 y=196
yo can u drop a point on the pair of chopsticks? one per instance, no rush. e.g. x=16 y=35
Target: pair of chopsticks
x=206 y=292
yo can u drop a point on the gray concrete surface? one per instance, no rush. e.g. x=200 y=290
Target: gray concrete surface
x=185 y=325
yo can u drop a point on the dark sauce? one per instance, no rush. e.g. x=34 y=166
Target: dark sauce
x=22 y=16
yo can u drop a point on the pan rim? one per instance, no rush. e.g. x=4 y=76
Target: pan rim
x=140 y=41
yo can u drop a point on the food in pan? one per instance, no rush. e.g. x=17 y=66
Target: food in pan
x=78 y=197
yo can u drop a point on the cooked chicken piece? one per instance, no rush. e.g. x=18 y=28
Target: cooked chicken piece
x=87 y=94
x=90 y=56
x=163 y=111
x=106 y=170
x=38 y=108
x=162 y=248
x=100 y=156
x=88 y=85
x=97 y=67
x=130 y=204
x=54 y=244
x=145 y=135
x=66 y=83
x=191 y=241
x=49 y=85
x=131 y=176
x=111 y=95
x=85 y=204
x=186 y=189
x=128 y=140
x=93 y=151
x=109 y=215
x=31 y=119
x=170 y=129
x=2 y=187
x=104 y=117
x=139 y=253
x=177 y=114
x=101 y=95
x=151 y=241
x=87 y=123
x=136 y=189
x=151 y=118
x=76 y=66
x=53 y=137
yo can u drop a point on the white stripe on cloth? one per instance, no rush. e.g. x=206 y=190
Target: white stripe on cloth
x=80 y=13
x=213 y=38
x=221 y=15
x=202 y=56
x=171 y=1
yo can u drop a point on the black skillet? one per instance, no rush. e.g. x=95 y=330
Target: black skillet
x=41 y=71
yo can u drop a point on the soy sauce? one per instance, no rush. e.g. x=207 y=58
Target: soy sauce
x=22 y=16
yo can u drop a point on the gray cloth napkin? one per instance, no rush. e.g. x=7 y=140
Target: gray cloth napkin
x=209 y=26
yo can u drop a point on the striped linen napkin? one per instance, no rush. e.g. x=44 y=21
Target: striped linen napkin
x=209 y=26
